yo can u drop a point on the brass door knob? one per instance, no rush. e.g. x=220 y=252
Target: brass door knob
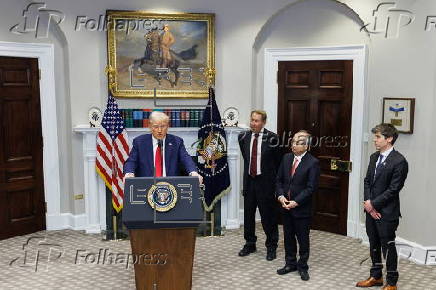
x=340 y=165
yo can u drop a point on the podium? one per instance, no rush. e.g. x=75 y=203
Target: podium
x=162 y=215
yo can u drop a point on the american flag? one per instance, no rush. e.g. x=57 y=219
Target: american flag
x=112 y=151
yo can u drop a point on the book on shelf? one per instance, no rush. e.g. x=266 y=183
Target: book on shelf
x=140 y=118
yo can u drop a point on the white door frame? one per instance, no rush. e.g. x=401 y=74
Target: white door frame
x=357 y=53
x=45 y=55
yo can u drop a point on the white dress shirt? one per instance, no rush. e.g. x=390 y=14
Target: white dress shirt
x=384 y=156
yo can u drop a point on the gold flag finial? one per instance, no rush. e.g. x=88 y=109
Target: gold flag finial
x=111 y=73
x=209 y=73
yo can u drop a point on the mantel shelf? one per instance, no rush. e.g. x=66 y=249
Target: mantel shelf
x=87 y=128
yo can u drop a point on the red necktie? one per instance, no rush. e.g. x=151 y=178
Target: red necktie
x=158 y=162
x=253 y=162
x=294 y=166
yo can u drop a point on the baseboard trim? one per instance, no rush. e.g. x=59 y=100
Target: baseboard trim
x=241 y=217
x=415 y=252
x=66 y=221
x=411 y=251
x=232 y=224
x=354 y=230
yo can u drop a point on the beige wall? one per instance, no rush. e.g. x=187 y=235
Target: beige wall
x=401 y=67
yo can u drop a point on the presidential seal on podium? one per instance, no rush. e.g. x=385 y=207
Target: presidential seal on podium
x=162 y=196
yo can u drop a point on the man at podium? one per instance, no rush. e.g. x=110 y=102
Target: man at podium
x=159 y=154
x=170 y=231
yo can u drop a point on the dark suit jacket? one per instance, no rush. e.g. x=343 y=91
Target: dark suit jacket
x=302 y=185
x=383 y=189
x=269 y=160
x=140 y=160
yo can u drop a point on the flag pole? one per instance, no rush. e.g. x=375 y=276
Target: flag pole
x=114 y=224
x=212 y=225
x=210 y=75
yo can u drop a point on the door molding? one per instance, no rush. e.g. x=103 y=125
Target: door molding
x=45 y=55
x=357 y=53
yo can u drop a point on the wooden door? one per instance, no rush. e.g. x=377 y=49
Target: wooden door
x=22 y=207
x=317 y=96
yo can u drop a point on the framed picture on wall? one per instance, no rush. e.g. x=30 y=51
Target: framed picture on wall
x=400 y=113
x=172 y=53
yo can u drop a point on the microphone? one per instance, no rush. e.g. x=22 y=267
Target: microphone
x=159 y=143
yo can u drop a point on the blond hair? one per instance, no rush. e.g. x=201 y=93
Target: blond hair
x=158 y=116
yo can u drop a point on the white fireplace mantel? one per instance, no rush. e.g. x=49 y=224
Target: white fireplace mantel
x=95 y=193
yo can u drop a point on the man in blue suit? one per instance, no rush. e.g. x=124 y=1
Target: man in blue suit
x=159 y=154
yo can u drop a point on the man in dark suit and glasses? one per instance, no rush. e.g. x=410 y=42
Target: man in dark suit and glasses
x=297 y=180
x=387 y=172
x=261 y=153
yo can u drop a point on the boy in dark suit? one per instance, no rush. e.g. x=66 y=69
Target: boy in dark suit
x=297 y=179
x=387 y=172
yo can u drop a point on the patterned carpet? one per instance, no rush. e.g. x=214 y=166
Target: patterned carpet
x=65 y=262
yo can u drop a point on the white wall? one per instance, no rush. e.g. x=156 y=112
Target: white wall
x=402 y=67
x=11 y=14
x=405 y=67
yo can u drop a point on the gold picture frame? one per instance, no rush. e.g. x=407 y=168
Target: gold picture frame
x=170 y=54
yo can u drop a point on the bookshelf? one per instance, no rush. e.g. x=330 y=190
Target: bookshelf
x=139 y=118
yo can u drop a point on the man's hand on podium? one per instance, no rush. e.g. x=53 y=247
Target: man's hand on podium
x=200 y=178
x=128 y=175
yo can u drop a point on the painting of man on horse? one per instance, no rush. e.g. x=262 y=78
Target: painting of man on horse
x=167 y=55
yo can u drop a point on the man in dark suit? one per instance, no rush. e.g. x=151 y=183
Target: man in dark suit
x=261 y=154
x=297 y=179
x=387 y=172
x=158 y=154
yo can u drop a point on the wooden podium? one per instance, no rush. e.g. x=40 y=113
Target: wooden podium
x=173 y=251
x=162 y=215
